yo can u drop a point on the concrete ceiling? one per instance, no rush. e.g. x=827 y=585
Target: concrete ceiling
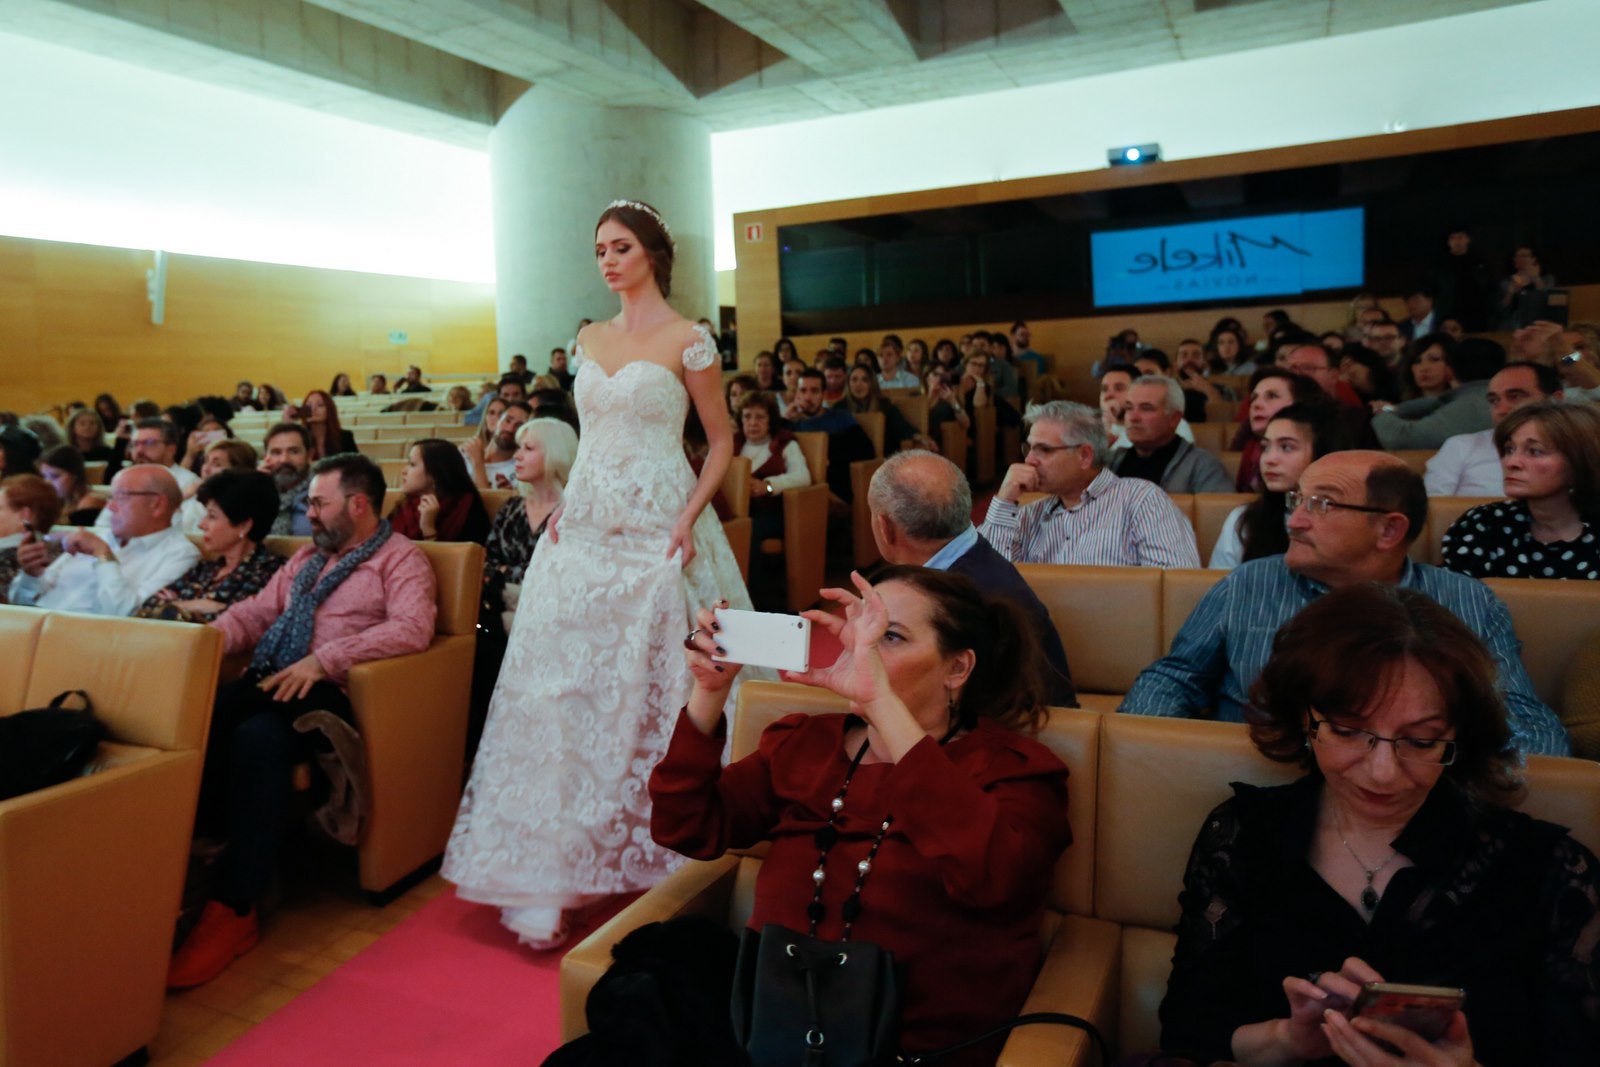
x=446 y=68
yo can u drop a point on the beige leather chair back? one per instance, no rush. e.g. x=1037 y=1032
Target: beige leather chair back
x=1555 y=620
x=875 y=423
x=1181 y=590
x=736 y=486
x=1230 y=463
x=1210 y=512
x=19 y=636
x=495 y=499
x=1212 y=435
x=1107 y=649
x=814 y=446
x=913 y=406
x=129 y=667
x=1415 y=458
x=458 y=576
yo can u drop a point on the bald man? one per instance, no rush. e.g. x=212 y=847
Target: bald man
x=1352 y=520
x=112 y=575
x=922 y=515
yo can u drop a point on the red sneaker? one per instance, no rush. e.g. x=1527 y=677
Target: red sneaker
x=221 y=936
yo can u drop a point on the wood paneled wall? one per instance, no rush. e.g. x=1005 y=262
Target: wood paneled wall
x=75 y=321
x=1077 y=342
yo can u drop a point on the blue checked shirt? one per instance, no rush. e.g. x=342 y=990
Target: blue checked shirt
x=1226 y=640
x=1117 y=522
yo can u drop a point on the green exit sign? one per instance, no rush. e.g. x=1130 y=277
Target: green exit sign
x=398 y=337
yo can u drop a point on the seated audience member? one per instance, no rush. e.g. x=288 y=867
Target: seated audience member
x=110 y=412
x=947 y=355
x=227 y=454
x=558 y=369
x=862 y=395
x=45 y=429
x=512 y=388
x=1468 y=464
x=85 y=435
x=112 y=576
x=1193 y=373
x=413 y=383
x=28 y=508
x=737 y=388
x=489 y=456
x=240 y=504
x=1089 y=515
x=1394 y=858
x=847 y=441
x=1229 y=351
x=1550 y=455
x=319 y=416
x=545 y=451
x=555 y=404
x=1515 y=307
x=866 y=357
x=487 y=392
x=155 y=441
x=1366 y=372
x=1003 y=370
x=288 y=460
x=921 y=509
x=441 y=503
x=488 y=422
x=835 y=373
x=19 y=451
x=1383 y=337
x=1294 y=437
x=789 y=375
x=895 y=374
x=1420 y=319
x=776 y=463
x=458 y=398
x=1425 y=368
x=244 y=397
x=948 y=691
x=1310 y=359
x=519 y=367
x=271 y=398
x=1156 y=453
x=1021 y=348
x=979 y=386
x=377 y=385
x=1351 y=520
x=943 y=403
x=1271 y=390
x=1427 y=422
x=765 y=371
x=341 y=385
x=359 y=592
x=63 y=468
x=1115 y=384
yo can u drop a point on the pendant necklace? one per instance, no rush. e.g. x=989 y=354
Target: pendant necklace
x=1369 y=895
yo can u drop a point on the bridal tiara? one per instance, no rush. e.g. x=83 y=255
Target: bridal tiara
x=648 y=210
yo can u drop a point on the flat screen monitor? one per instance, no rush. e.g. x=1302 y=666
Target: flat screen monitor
x=1229 y=259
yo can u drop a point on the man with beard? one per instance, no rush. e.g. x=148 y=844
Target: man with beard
x=494 y=467
x=288 y=460
x=358 y=593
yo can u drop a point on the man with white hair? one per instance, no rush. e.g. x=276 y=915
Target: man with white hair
x=1089 y=515
x=921 y=509
x=112 y=575
x=1156 y=453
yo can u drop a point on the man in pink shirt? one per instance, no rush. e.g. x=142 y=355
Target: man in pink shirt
x=359 y=592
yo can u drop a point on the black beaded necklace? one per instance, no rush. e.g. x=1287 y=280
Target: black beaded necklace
x=828 y=835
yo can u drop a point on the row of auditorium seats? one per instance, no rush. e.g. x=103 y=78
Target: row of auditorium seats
x=1137 y=791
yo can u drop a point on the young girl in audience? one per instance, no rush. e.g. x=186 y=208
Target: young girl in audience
x=1550 y=453
x=947 y=355
x=63 y=468
x=321 y=417
x=791 y=378
x=1271 y=390
x=1293 y=437
x=862 y=394
x=441 y=503
x=917 y=358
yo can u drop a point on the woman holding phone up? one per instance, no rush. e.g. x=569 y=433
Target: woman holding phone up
x=1393 y=859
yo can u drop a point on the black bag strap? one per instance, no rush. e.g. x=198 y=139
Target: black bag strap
x=1060 y=1018
x=66 y=695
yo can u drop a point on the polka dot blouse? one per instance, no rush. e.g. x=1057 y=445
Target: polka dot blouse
x=1493 y=541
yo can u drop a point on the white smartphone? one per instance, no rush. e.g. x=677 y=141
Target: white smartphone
x=764 y=639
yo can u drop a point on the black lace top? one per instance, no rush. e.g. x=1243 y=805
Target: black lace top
x=1493 y=541
x=506 y=555
x=1500 y=904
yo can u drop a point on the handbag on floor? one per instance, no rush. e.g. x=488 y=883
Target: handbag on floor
x=42 y=747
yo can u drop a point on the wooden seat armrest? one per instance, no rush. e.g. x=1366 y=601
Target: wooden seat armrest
x=1079 y=977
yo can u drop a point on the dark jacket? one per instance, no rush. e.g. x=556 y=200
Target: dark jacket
x=995 y=575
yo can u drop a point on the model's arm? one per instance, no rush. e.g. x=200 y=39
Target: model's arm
x=702 y=376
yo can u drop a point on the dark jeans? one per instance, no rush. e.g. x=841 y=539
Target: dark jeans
x=245 y=789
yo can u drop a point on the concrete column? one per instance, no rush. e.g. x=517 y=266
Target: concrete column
x=556 y=162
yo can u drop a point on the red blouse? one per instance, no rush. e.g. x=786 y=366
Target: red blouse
x=957 y=889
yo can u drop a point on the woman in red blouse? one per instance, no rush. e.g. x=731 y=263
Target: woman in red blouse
x=945 y=684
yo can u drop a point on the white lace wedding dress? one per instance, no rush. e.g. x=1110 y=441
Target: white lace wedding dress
x=557 y=814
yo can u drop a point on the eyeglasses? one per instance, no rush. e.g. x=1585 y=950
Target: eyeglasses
x=123 y=494
x=1030 y=448
x=317 y=503
x=1351 y=740
x=1321 y=505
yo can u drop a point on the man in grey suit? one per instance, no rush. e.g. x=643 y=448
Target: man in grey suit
x=921 y=509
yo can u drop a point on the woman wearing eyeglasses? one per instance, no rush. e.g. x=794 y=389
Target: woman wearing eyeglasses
x=1550 y=455
x=1393 y=859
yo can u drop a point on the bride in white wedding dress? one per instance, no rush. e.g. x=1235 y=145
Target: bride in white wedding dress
x=556 y=815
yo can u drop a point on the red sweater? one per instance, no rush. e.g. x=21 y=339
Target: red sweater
x=957 y=888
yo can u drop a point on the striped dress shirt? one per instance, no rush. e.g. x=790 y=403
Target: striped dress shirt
x=1117 y=522
x=1219 y=652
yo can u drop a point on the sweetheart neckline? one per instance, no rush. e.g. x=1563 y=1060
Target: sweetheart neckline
x=631 y=363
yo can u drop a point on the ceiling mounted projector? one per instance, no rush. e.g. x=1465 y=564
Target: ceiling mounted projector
x=1133 y=155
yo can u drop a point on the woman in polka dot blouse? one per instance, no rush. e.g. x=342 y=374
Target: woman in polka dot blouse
x=1550 y=528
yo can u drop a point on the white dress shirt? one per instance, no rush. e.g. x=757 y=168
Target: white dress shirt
x=80 y=582
x=1117 y=522
x=1467 y=464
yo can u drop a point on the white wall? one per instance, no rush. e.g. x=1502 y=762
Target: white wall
x=101 y=152
x=1508 y=61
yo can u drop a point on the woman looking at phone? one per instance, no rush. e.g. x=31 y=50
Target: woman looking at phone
x=1392 y=859
x=947 y=688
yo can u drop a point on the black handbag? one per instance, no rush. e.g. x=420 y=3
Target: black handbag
x=46 y=746
x=799 y=1000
